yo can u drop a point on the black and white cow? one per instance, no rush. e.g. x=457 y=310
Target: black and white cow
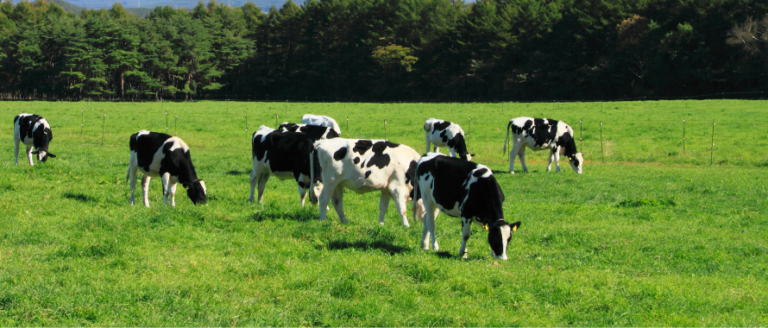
x=363 y=166
x=161 y=155
x=313 y=131
x=321 y=120
x=35 y=132
x=540 y=134
x=462 y=189
x=443 y=133
x=285 y=155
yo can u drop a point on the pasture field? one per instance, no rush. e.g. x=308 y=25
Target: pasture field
x=650 y=237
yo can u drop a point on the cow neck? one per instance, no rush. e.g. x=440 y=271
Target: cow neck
x=570 y=148
x=187 y=174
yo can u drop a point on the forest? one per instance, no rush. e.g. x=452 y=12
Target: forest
x=386 y=50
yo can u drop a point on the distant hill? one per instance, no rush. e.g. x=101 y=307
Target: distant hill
x=139 y=12
x=151 y=4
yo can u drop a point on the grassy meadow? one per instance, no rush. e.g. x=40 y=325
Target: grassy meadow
x=649 y=235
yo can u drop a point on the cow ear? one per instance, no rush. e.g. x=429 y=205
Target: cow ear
x=473 y=155
x=515 y=225
x=51 y=155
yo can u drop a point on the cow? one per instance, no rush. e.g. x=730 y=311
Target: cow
x=314 y=131
x=161 y=155
x=321 y=120
x=540 y=134
x=284 y=155
x=443 y=133
x=35 y=132
x=462 y=189
x=362 y=166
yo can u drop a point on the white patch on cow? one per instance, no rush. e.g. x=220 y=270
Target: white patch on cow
x=506 y=232
x=433 y=136
x=141 y=133
x=263 y=131
x=202 y=184
x=429 y=157
x=321 y=120
x=177 y=143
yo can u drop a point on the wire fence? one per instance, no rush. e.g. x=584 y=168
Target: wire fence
x=730 y=140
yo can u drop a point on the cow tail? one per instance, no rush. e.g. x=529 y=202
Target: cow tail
x=506 y=141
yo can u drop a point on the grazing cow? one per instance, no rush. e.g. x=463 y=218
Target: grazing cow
x=34 y=131
x=540 y=134
x=362 y=166
x=313 y=131
x=462 y=189
x=321 y=120
x=285 y=155
x=443 y=133
x=161 y=155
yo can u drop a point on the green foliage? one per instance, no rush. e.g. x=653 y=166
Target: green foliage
x=388 y=50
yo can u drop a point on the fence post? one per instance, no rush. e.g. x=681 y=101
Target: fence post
x=347 y=126
x=385 y=129
x=82 y=121
x=581 y=135
x=246 y=123
x=683 y=137
x=176 y=125
x=276 y=117
x=602 y=152
x=712 y=149
x=469 y=129
x=103 y=128
x=166 y=122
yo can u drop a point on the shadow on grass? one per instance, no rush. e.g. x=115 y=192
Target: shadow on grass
x=271 y=214
x=79 y=197
x=236 y=172
x=366 y=245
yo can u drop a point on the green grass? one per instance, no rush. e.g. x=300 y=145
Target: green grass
x=651 y=237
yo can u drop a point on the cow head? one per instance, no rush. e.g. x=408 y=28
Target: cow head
x=577 y=161
x=499 y=235
x=197 y=192
x=42 y=155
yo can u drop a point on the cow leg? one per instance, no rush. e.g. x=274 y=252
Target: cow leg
x=383 y=205
x=16 y=150
x=556 y=153
x=132 y=178
x=325 y=198
x=551 y=158
x=29 y=156
x=145 y=189
x=429 y=225
x=521 y=154
x=254 y=175
x=466 y=231
x=512 y=154
x=263 y=177
x=338 y=203
x=302 y=195
x=173 y=182
x=401 y=199
x=166 y=179
x=452 y=152
x=437 y=149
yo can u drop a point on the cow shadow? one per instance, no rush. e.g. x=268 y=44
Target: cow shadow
x=79 y=197
x=236 y=172
x=367 y=245
x=271 y=214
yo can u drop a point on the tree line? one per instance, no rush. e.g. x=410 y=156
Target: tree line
x=386 y=50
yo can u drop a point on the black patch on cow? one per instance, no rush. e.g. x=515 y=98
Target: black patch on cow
x=459 y=145
x=317 y=132
x=286 y=152
x=442 y=125
x=340 y=154
x=41 y=136
x=569 y=145
x=367 y=173
x=479 y=173
x=444 y=137
x=356 y=160
x=411 y=172
x=362 y=146
x=380 y=159
x=316 y=169
x=146 y=146
x=288 y=127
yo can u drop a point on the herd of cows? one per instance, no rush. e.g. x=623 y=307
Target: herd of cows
x=323 y=165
